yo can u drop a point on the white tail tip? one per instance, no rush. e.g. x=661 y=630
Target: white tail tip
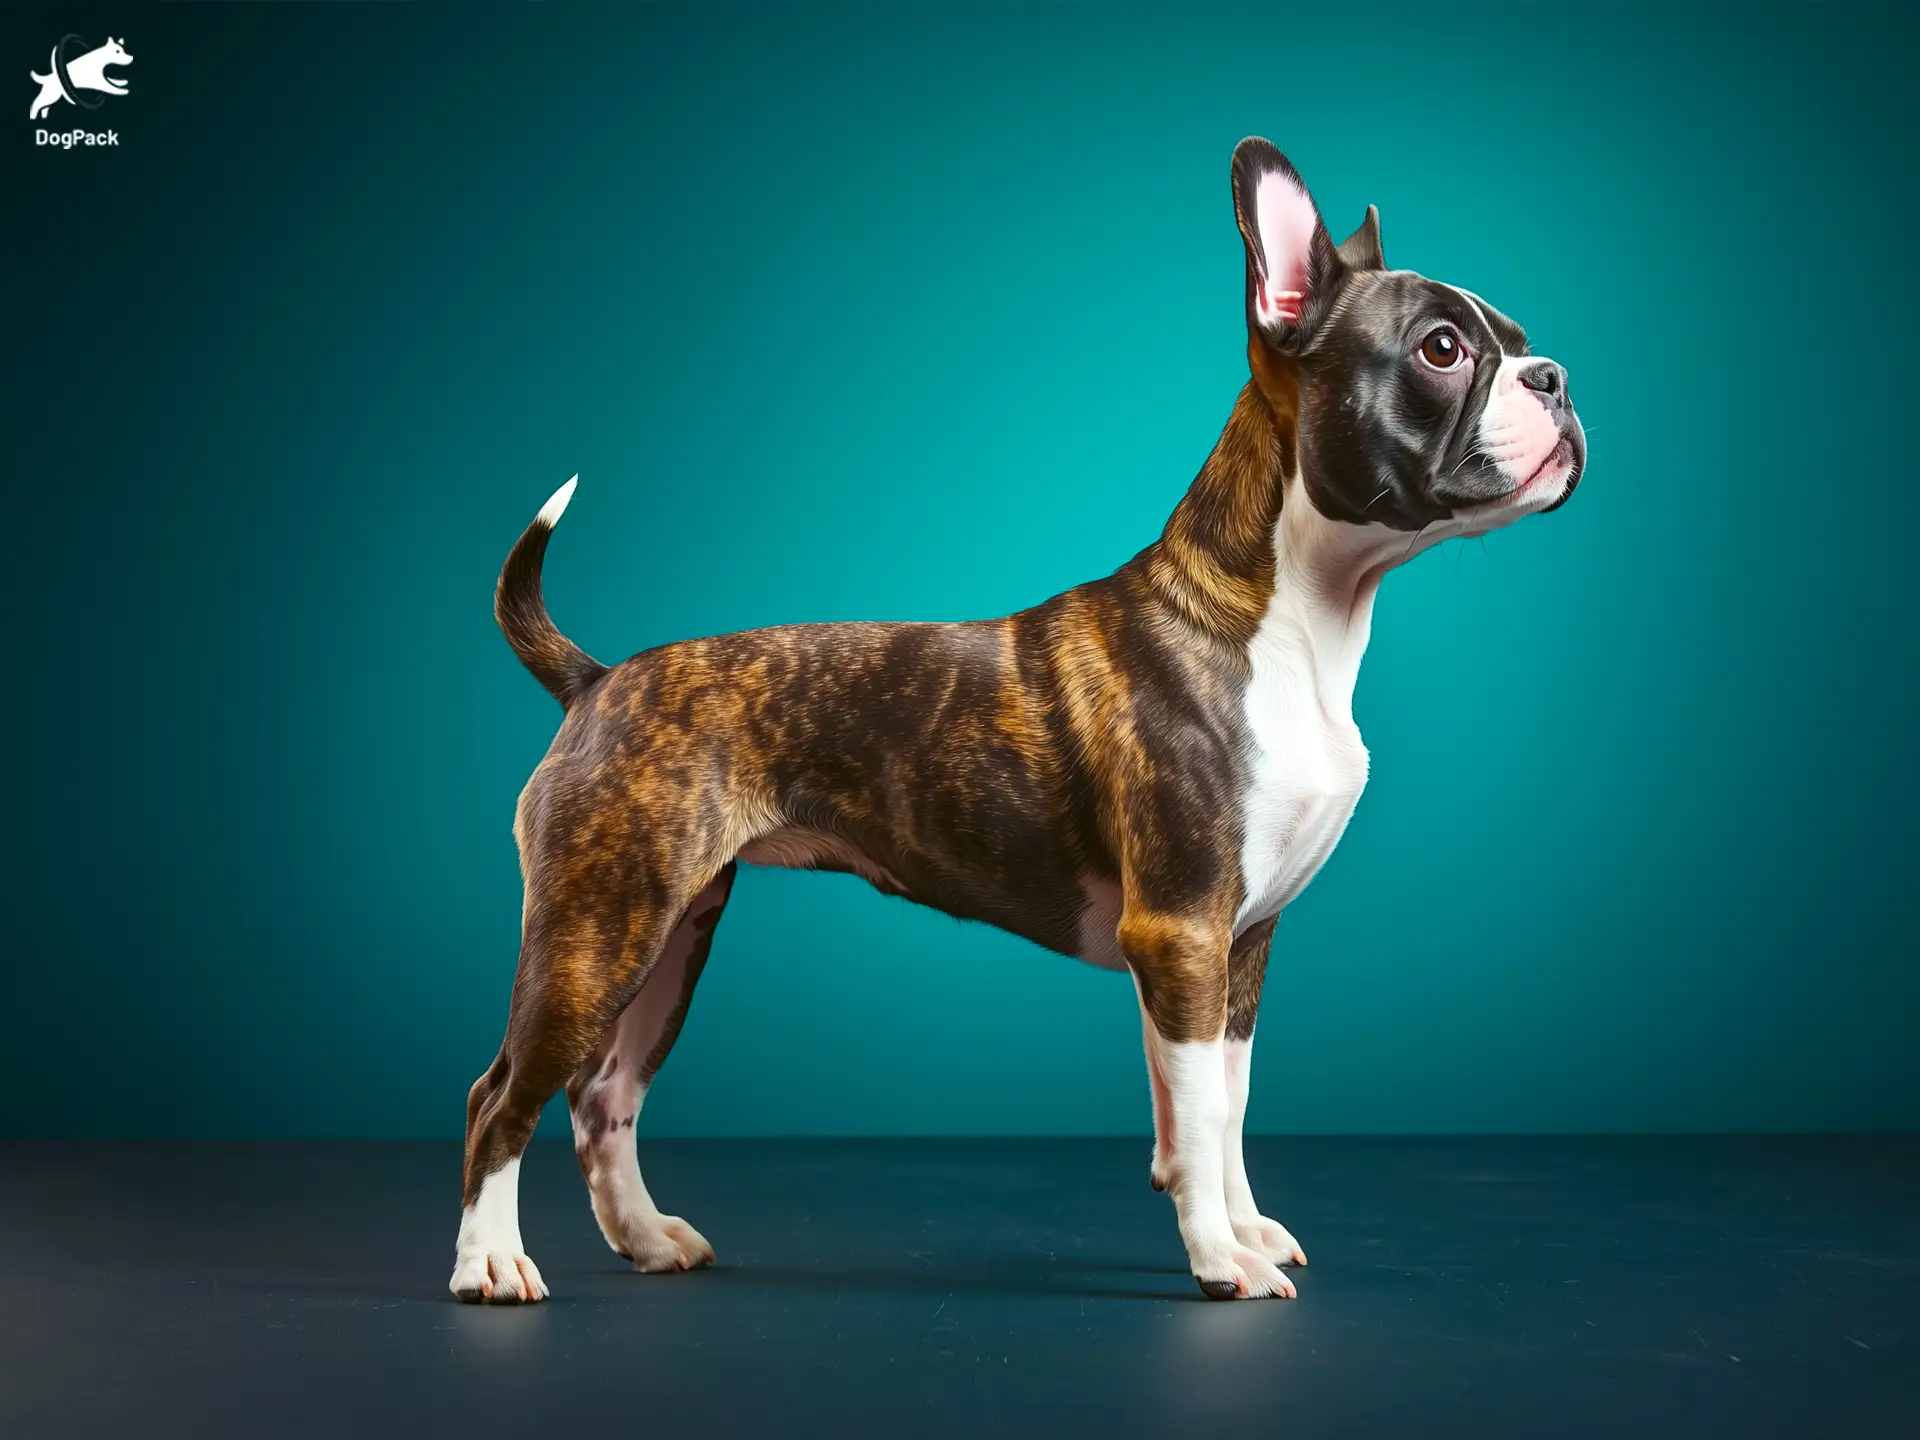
x=551 y=512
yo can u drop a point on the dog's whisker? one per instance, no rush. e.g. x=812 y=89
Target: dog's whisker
x=1415 y=540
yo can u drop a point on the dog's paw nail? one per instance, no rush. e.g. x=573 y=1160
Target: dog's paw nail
x=498 y=1280
x=663 y=1244
x=1220 y=1289
x=1256 y=1276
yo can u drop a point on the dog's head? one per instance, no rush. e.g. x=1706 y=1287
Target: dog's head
x=101 y=60
x=1416 y=402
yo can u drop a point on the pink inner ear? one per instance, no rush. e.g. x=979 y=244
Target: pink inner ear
x=1286 y=220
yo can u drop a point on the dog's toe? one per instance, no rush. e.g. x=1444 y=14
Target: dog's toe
x=481 y=1278
x=1264 y=1279
x=1271 y=1239
x=666 y=1244
x=1240 y=1273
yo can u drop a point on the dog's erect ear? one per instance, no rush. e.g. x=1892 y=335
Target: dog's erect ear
x=1361 y=249
x=1291 y=262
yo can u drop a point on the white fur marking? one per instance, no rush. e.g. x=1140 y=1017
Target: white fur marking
x=1197 y=1101
x=489 y=1260
x=1517 y=431
x=1308 y=765
x=1250 y=1227
x=556 y=505
x=1478 y=307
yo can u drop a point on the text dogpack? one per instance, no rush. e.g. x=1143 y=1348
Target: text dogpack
x=67 y=139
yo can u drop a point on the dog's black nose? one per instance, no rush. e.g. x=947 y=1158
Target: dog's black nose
x=1548 y=381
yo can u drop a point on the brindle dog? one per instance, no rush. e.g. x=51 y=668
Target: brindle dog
x=1140 y=772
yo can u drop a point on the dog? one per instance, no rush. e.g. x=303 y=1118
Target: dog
x=86 y=72
x=1141 y=772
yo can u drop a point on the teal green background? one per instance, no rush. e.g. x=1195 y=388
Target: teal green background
x=910 y=313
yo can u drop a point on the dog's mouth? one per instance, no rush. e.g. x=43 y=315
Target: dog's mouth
x=1559 y=471
x=1558 y=459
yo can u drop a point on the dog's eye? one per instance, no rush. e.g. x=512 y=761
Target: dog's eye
x=1442 y=349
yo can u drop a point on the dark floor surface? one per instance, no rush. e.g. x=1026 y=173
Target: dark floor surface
x=1698 y=1287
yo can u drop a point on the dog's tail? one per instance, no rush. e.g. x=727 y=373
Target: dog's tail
x=556 y=662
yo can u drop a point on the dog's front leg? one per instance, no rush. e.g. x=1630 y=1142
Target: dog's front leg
x=1180 y=963
x=1246 y=971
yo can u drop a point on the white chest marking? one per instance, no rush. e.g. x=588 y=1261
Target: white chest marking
x=1306 y=765
x=1307 y=768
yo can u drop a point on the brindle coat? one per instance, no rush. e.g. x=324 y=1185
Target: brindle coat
x=985 y=768
x=998 y=770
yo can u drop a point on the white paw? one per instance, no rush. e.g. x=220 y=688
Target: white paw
x=1235 y=1272
x=664 y=1243
x=1271 y=1239
x=497 y=1279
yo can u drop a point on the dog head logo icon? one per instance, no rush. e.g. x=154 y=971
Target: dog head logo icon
x=74 y=73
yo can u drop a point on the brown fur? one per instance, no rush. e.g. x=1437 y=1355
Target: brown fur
x=985 y=768
x=1246 y=973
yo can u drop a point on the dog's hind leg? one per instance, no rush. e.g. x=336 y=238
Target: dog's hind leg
x=595 y=928
x=607 y=1092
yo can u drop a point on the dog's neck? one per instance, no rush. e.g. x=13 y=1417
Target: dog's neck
x=1246 y=554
